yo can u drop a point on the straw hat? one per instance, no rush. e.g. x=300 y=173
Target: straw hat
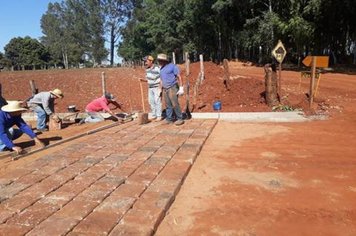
x=162 y=57
x=13 y=106
x=150 y=58
x=57 y=93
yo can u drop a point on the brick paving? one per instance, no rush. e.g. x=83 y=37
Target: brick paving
x=120 y=181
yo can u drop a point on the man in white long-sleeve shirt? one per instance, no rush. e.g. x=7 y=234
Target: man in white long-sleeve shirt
x=154 y=87
x=43 y=104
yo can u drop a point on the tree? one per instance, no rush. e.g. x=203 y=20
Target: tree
x=117 y=13
x=26 y=53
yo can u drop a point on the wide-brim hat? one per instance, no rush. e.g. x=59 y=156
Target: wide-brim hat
x=13 y=106
x=150 y=58
x=162 y=57
x=57 y=92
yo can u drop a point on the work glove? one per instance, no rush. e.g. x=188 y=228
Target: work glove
x=180 y=91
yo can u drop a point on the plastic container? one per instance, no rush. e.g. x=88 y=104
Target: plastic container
x=217 y=106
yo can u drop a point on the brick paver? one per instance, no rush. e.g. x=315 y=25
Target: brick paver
x=116 y=182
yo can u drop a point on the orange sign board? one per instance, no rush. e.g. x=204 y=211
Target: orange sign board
x=321 y=61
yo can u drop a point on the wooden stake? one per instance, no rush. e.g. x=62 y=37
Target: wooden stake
x=142 y=99
x=312 y=81
x=34 y=90
x=174 y=57
x=280 y=81
x=226 y=74
x=187 y=65
x=201 y=67
x=103 y=82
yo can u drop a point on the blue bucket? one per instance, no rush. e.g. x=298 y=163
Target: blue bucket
x=217 y=106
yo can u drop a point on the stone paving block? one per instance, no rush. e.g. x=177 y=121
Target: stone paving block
x=142 y=176
x=20 y=202
x=166 y=151
x=49 y=169
x=93 y=194
x=133 y=190
x=175 y=171
x=15 y=174
x=163 y=185
x=109 y=182
x=125 y=229
x=124 y=170
x=12 y=189
x=89 y=176
x=77 y=209
x=116 y=158
x=5 y=181
x=116 y=204
x=33 y=215
x=31 y=179
x=5 y=214
x=147 y=218
x=13 y=230
x=152 y=200
x=97 y=223
x=54 y=225
x=157 y=160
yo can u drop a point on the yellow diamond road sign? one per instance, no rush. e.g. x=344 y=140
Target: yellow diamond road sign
x=279 y=52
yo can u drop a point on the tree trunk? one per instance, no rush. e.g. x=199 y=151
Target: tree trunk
x=112 y=44
x=271 y=85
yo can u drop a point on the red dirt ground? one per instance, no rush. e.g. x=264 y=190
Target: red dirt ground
x=80 y=86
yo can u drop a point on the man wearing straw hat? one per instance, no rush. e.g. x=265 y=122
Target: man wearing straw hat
x=154 y=87
x=10 y=115
x=43 y=104
x=172 y=85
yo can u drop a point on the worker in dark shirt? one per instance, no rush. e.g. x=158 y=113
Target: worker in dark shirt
x=10 y=115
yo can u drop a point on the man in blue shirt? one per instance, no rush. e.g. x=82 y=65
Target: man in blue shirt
x=10 y=115
x=172 y=86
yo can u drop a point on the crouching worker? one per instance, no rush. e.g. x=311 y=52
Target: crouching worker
x=101 y=105
x=10 y=115
x=43 y=105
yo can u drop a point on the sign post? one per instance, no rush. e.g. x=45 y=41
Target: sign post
x=314 y=62
x=279 y=53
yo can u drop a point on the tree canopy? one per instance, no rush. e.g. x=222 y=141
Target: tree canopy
x=246 y=29
x=75 y=31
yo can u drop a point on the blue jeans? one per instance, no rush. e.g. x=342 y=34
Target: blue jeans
x=12 y=134
x=94 y=117
x=41 y=116
x=171 y=98
x=155 y=101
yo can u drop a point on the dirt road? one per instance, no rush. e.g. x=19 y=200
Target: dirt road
x=271 y=179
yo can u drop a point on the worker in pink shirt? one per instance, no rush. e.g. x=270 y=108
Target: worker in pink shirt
x=101 y=105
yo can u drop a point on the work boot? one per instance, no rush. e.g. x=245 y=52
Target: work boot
x=179 y=122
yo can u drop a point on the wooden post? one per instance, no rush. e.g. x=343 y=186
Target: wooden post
x=103 y=82
x=280 y=81
x=226 y=74
x=187 y=65
x=271 y=85
x=34 y=90
x=2 y=100
x=142 y=99
x=312 y=81
x=201 y=67
x=187 y=98
x=174 y=57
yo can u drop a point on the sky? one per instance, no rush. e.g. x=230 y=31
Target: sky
x=21 y=18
